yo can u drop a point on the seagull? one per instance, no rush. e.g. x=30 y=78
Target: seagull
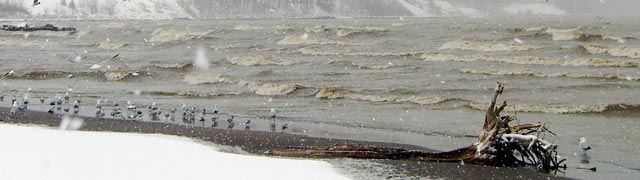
x=2 y=98
x=285 y=126
x=76 y=59
x=42 y=100
x=25 y=103
x=230 y=120
x=99 y=104
x=273 y=113
x=14 y=107
x=76 y=104
x=99 y=113
x=36 y=2
x=66 y=96
x=51 y=110
x=246 y=124
x=99 y=65
x=584 y=145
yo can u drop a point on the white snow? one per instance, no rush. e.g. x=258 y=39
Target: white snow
x=40 y=153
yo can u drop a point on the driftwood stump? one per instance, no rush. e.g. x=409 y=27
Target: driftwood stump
x=500 y=144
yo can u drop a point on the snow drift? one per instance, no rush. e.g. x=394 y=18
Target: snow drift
x=38 y=153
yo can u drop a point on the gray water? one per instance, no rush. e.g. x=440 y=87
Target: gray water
x=420 y=81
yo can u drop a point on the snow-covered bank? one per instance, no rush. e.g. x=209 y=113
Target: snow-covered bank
x=250 y=9
x=39 y=153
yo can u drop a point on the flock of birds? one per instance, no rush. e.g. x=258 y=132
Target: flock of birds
x=131 y=112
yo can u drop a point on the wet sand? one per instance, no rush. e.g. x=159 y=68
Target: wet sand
x=258 y=142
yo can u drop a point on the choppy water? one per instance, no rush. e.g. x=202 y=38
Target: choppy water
x=414 y=81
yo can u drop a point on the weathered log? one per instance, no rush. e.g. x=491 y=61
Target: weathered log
x=499 y=144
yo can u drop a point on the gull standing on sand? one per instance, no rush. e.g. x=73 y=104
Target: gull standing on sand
x=584 y=145
x=42 y=99
x=273 y=113
x=285 y=126
x=214 y=118
x=247 y=124
x=2 y=98
x=230 y=121
x=25 y=103
x=14 y=107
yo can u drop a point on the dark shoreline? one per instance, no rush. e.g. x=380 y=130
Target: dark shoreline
x=258 y=142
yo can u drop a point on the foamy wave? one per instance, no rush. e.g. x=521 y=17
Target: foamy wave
x=364 y=65
x=270 y=89
x=561 y=109
x=259 y=88
x=571 y=34
x=319 y=52
x=111 y=45
x=257 y=60
x=117 y=75
x=350 y=31
x=527 y=72
x=334 y=93
x=563 y=34
x=161 y=35
x=208 y=78
x=175 y=65
x=530 y=60
x=301 y=39
x=480 y=46
x=246 y=27
x=613 y=51
x=307 y=40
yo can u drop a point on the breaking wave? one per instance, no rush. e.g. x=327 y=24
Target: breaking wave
x=570 y=34
x=267 y=89
x=562 y=109
x=175 y=65
x=335 y=93
x=270 y=89
x=111 y=45
x=319 y=52
x=488 y=47
x=527 y=72
x=162 y=35
x=208 y=78
x=531 y=60
x=352 y=31
x=362 y=65
x=305 y=39
x=613 y=51
x=258 y=60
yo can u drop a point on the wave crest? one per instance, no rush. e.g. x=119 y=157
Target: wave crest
x=487 y=47
x=162 y=35
x=613 y=51
x=562 y=109
x=257 y=60
x=531 y=60
x=335 y=93
x=527 y=72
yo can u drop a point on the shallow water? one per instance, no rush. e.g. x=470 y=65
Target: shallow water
x=415 y=81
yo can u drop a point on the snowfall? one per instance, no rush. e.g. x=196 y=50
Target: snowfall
x=44 y=153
